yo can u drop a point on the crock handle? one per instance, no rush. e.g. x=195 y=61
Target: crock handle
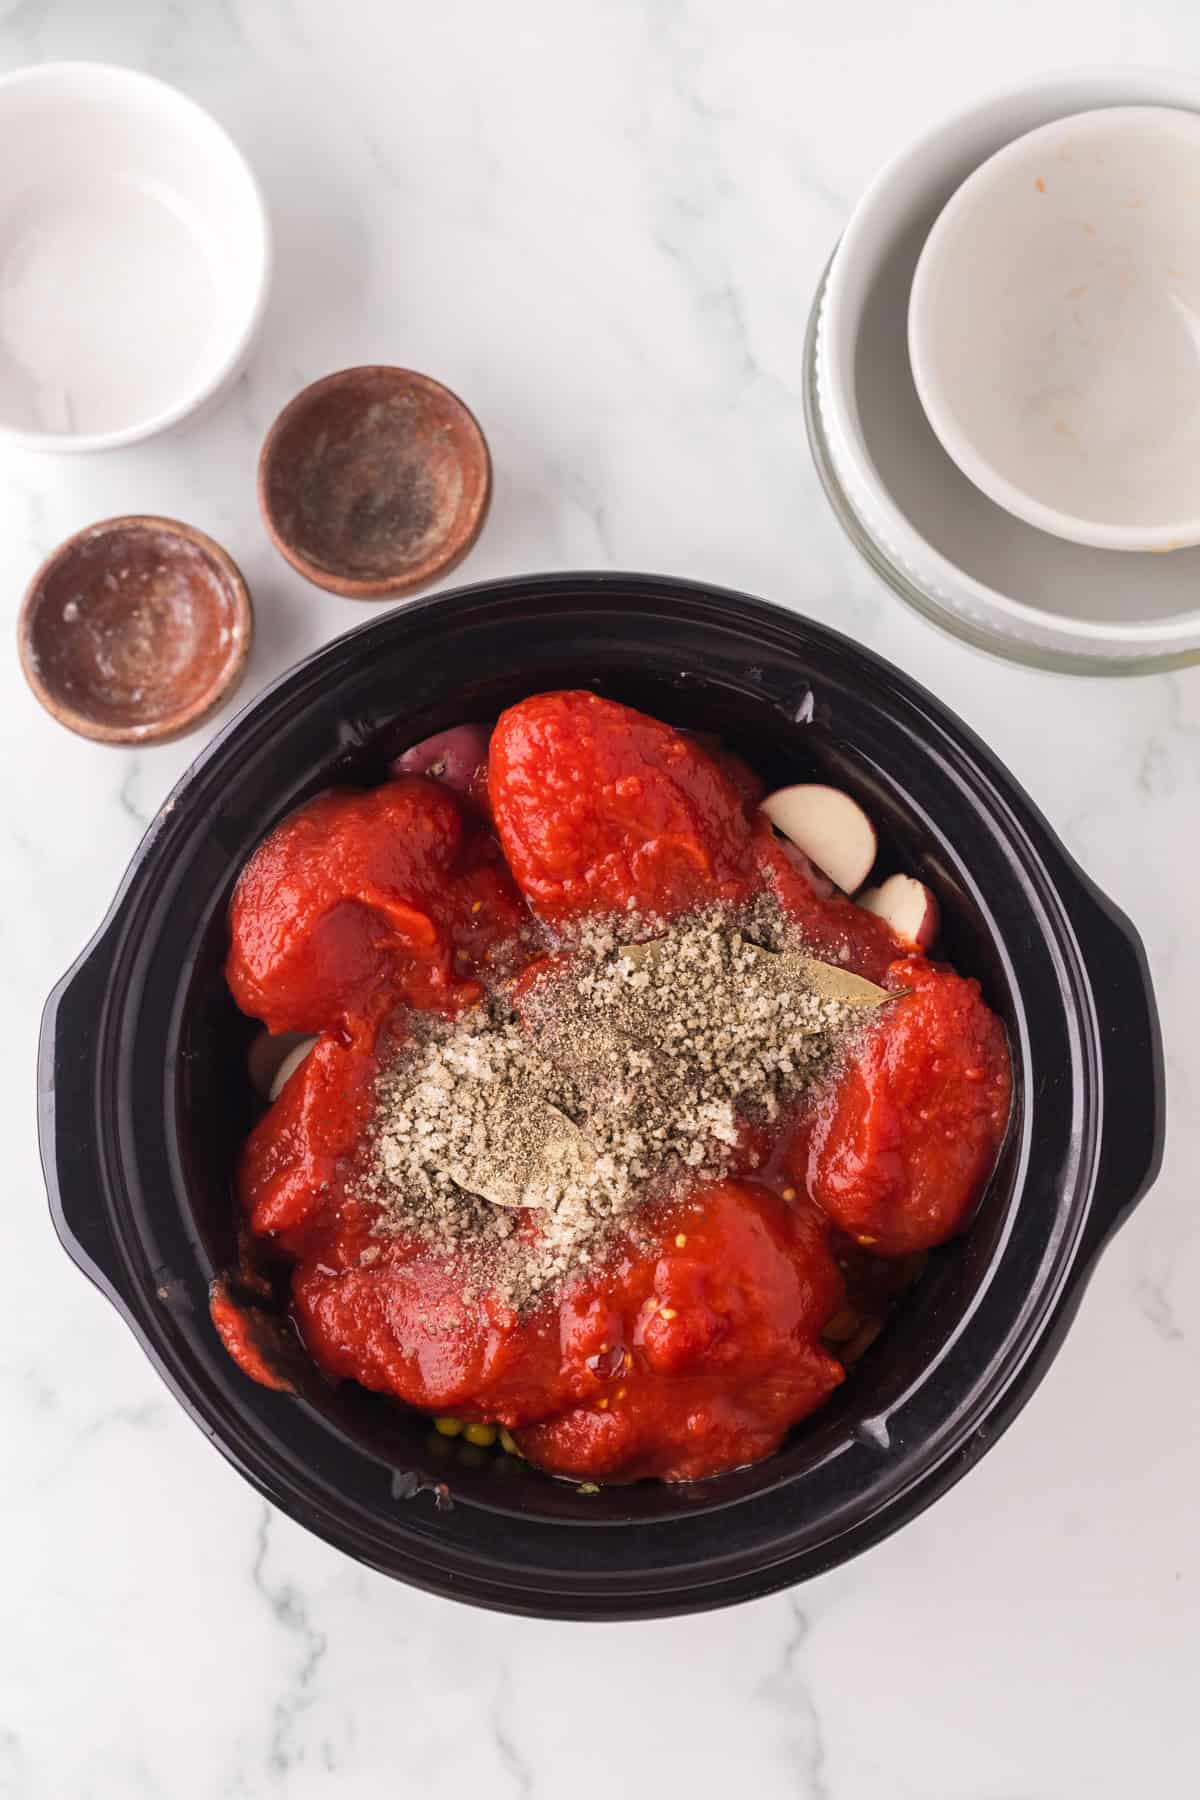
x=1131 y=1056
x=68 y=1046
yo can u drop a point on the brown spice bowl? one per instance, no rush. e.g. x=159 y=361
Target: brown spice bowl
x=134 y=630
x=373 y=481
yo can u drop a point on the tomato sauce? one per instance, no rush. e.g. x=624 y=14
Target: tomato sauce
x=680 y=1359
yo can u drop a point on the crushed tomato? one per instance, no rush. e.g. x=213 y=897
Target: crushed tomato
x=678 y=1361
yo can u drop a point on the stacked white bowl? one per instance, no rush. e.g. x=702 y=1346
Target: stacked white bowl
x=1004 y=372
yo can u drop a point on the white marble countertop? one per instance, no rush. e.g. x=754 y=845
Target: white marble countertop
x=603 y=225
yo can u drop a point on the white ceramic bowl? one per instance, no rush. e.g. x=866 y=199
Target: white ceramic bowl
x=134 y=256
x=1054 y=328
x=934 y=536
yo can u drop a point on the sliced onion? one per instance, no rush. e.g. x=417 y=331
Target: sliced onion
x=453 y=757
x=267 y=1056
x=289 y=1065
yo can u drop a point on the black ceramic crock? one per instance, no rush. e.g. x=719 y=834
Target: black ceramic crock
x=144 y=1100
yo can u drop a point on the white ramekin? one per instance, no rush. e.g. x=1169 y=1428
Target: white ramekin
x=94 y=157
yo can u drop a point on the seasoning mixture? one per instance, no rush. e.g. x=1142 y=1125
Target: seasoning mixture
x=620 y=1128
x=620 y=1073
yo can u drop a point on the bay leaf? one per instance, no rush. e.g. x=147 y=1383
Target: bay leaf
x=829 y=981
x=529 y=1151
x=832 y=982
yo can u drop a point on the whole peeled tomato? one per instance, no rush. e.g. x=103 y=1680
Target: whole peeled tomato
x=601 y=809
x=290 y=1163
x=699 y=1355
x=900 y=1150
x=360 y=899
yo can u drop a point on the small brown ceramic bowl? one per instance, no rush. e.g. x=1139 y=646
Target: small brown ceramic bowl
x=135 y=629
x=373 y=481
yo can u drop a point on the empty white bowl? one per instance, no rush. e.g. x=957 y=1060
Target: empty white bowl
x=134 y=256
x=935 y=537
x=1054 y=328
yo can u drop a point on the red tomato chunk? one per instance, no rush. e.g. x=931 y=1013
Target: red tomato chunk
x=599 y=807
x=899 y=1150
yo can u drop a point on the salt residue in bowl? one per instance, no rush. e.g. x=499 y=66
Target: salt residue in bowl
x=107 y=304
